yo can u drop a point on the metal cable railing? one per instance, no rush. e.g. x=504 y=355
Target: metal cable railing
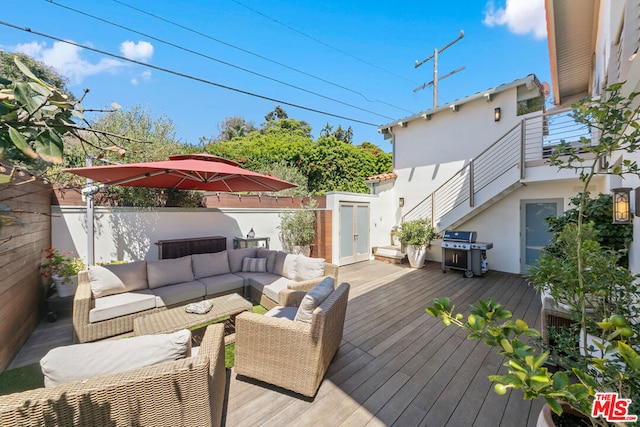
x=534 y=138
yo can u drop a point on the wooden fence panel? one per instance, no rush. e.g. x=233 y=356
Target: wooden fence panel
x=26 y=231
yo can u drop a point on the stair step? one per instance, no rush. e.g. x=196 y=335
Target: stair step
x=391 y=254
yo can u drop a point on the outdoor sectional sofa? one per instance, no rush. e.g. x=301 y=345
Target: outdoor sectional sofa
x=109 y=298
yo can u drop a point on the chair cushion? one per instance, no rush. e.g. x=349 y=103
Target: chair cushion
x=281 y=312
x=117 y=305
x=309 y=268
x=254 y=265
x=285 y=265
x=117 y=278
x=179 y=293
x=237 y=255
x=268 y=284
x=169 y=272
x=205 y=265
x=270 y=255
x=222 y=283
x=313 y=299
x=76 y=362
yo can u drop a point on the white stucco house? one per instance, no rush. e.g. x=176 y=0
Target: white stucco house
x=478 y=163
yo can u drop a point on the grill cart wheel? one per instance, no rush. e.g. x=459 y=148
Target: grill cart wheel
x=468 y=273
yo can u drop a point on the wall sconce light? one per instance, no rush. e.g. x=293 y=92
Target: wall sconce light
x=497 y=114
x=401 y=202
x=621 y=205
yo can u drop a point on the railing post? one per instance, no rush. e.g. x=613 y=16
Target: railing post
x=471 y=183
x=522 y=149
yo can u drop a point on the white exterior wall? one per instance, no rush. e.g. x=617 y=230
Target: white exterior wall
x=428 y=152
x=129 y=234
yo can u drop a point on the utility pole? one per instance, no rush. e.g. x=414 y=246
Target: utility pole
x=434 y=82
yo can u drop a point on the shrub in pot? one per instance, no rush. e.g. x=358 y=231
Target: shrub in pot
x=62 y=269
x=297 y=229
x=416 y=235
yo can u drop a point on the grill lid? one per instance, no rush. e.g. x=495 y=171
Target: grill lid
x=459 y=236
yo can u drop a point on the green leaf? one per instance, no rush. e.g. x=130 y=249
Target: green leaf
x=506 y=345
x=49 y=146
x=23 y=96
x=554 y=405
x=27 y=72
x=21 y=143
x=629 y=356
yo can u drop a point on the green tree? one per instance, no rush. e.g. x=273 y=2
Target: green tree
x=142 y=138
x=344 y=135
x=10 y=71
x=234 y=127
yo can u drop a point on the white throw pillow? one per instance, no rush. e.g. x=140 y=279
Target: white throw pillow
x=313 y=299
x=117 y=278
x=206 y=265
x=169 y=272
x=254 y=265
x=309 y=268
x=289 y=266
x=76 y=362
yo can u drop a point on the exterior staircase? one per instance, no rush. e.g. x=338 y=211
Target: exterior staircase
x=498 y=171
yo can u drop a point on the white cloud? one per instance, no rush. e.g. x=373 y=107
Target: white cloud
x=145 y=75
x=67 y=60
x=141 y=51
x=520 y=16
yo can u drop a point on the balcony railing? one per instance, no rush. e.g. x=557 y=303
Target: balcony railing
x=534 y=138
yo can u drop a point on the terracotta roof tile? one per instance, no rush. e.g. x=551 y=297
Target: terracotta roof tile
x=383 y=177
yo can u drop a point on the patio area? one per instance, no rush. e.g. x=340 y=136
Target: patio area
x=396 y=365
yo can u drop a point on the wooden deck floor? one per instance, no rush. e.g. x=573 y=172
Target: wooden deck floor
x=396 y=366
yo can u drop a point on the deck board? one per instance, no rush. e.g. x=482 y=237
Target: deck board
x=396 y=364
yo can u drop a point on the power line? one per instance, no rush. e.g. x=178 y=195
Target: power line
x=321 y=42
x=217 y=60
x=187 y=76
x=257 y=55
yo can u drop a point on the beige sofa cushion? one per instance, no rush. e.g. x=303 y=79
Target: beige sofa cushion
x=237 y=255
x=179 y=293
x=76 y=362
x=270 y=255
x=169 y=272
x=313 y=299
x=309 y=268
x=117 y=278
x=285 y=265
x=205 y=265
x=117 y=305
x=268 y=284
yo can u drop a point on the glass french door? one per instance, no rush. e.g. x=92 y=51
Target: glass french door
x=534 y=232
x=354 y=232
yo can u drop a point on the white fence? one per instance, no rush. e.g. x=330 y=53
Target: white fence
x=130 y=234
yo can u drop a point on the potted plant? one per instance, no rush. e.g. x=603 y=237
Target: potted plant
x=600 y=352
x=62 y=269
x=297 y=229
x=416 y=235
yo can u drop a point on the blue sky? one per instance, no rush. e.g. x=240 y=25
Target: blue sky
x=353 y=59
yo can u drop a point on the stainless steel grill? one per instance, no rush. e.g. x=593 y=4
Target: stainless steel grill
x=460 y=251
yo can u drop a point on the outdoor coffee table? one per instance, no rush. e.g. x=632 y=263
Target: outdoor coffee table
x=175 y=319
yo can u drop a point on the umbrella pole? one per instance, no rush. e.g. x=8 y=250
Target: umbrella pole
x=90 y=231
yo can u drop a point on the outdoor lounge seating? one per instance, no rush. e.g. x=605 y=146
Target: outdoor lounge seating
x=185 y=392
x=288 y=353
x=109 y=298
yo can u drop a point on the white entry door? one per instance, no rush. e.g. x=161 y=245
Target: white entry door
x=534 y=233
x=354 y=232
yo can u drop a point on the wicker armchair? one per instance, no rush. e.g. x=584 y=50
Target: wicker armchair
x=289 y=354
x=186 y=392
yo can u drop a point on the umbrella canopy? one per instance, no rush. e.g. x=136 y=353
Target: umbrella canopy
x=184 y=172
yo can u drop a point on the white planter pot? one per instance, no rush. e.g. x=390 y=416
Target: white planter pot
x=304 y=250
x=65 y=287
x=416 y=256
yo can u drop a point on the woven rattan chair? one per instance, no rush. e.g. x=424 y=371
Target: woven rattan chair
x=186 y=392
x=289 y=354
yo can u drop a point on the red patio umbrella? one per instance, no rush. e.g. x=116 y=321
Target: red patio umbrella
x=184 y=172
